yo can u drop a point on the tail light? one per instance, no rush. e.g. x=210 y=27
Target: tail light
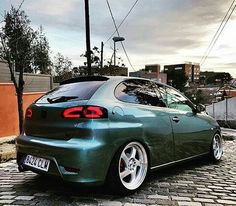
x=28 y=113
x=88 y=112
x=74 y=112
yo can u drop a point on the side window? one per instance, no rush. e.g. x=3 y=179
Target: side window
x=177 y=101
x=160 y=92
x=137 y=91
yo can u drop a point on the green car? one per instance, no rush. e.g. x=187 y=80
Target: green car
x=100 y=129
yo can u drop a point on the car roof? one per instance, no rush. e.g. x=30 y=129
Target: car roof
x=104 y=78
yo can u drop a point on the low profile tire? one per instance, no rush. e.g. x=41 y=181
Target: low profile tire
x=216 y=148
x=128 y=169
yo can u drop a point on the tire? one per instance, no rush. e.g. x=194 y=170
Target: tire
x=129 y=169
x=217 y=150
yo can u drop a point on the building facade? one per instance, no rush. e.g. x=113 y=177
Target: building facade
x=191 y=70
x=34 y=87
x=151 y=71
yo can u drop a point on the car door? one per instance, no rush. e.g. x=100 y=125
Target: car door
x=141 y=103
x=191 y=130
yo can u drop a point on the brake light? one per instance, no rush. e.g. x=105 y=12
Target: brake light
x=74 y=112
x=28 y=113
x=88 y=112
x=93 y=112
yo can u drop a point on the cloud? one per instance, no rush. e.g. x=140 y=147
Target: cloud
x=174 y=28
x=52 y=7
x=156 y=31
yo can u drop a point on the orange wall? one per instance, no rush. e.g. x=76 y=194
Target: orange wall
x=9 y=109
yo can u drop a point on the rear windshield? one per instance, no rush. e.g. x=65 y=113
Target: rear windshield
x=71 y=92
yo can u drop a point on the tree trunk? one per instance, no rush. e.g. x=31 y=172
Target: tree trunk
x=20 y=110
x=20 y=90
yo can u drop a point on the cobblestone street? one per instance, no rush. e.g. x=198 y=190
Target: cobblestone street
x=197 y=183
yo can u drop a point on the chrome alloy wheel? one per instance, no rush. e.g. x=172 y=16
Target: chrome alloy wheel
x=217 y=147
x=133 y=165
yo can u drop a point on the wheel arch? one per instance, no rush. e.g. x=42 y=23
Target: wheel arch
x=143 y=143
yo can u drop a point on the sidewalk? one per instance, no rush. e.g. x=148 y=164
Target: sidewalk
x=7 y=148
x=228 y=134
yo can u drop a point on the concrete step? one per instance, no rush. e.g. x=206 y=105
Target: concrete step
x=7 y=152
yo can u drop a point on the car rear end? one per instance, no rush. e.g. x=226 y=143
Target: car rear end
x=62 y=134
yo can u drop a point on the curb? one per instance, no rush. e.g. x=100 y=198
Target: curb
x=7 y=148
x=228 y=134
x=8 y=139
x=7 y=152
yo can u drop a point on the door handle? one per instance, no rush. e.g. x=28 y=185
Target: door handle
x=175 y=119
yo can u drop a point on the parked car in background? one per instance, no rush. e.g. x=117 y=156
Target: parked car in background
x=114 y=129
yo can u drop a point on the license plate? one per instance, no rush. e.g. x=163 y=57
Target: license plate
x=36 y=162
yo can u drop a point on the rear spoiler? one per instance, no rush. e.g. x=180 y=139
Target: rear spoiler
x=84 y=79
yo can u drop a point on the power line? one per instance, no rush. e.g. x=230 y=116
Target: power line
x=123 y=20
x=218 y=32
x=113 y=19
x=222 y=21
x=218 y=35
x=118 y=33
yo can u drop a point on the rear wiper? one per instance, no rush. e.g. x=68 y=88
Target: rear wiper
x=61 y=99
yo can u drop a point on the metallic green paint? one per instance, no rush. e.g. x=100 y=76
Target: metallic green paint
x=90 y=145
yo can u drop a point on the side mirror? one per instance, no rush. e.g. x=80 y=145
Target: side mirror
x=200 y=108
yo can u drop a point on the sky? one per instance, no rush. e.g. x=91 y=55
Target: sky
x=156 y=31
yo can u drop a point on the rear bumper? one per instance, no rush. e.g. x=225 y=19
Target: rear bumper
x=88 y=155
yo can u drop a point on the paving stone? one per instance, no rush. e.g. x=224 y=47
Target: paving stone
x=6 y=201
x=204 y=189
x=189 y=203
x=41 y=194
x=217 y=193
x=185 y=182
x=207 y=196
x=180 y=198
x=109 y=203
x=7 y=193
x=187 y=194
x=24 y=197
x=133 y=204
x=203 y=200
x=144 y=201
x=227 y=202
x=215 y=187
x=12 y=205
x=7 y=197
x=230 y=188
x=163 y=202
x=179 y=184
x=229 y=198
x=25 y=202
x=163 y=197
x=6 y=186
x=197 y=183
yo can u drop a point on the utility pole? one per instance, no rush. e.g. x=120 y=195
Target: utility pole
x=87 y=26
x=114 y=53
x=102 y=45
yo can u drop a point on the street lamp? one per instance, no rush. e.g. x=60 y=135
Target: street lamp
x=116 y=39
